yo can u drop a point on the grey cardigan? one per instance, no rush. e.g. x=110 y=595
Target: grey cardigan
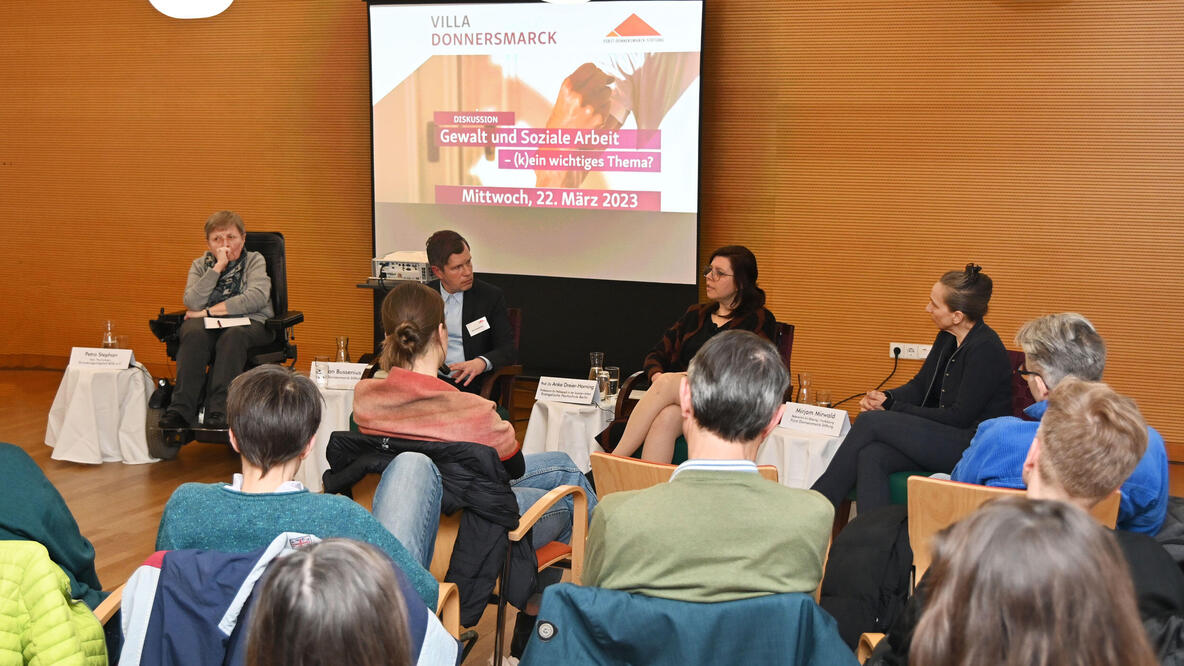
x=255 y=299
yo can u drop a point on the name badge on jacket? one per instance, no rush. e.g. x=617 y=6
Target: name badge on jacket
x=477 y=326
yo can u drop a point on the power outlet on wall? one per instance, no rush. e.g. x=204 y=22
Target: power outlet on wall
x=910 y=351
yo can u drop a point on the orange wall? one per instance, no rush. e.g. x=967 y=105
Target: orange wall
x=860 y=149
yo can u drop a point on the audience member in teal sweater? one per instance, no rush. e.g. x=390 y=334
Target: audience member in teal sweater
x=31 y=509
x=273 y=415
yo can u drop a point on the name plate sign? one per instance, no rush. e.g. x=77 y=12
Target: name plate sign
x=95 y=357
x=344 y=375
x=574 y=391
x=815 y=420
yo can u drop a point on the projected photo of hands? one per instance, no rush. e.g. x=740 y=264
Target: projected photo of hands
x=538 y=107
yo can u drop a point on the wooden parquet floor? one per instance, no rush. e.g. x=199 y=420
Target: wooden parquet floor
x=118 y=506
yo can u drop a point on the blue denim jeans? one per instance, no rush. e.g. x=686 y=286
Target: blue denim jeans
x=407 y=503
x=545 y=472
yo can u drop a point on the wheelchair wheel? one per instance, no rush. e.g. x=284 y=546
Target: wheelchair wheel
x=163 y=444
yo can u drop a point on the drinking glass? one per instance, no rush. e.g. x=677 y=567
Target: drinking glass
x=342 y=349
x=614 y=379
x=602 y=382
x=122 y=342
x=823 y=398
x=596 y=360
x=109 y=341
x=320 y=370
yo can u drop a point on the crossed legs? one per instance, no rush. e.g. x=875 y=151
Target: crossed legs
x=656 y=421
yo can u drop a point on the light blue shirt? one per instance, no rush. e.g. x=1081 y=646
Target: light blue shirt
x=453 y=306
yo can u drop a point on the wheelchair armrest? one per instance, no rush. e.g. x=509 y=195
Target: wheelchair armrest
x=284 y=321
x=166 y=325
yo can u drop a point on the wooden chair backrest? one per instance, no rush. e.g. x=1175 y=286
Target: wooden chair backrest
x=616 y=473
x=445 y=541
x=935 y=504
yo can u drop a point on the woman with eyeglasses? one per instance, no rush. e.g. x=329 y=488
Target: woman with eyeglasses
x=927 y=423
x=735 y=302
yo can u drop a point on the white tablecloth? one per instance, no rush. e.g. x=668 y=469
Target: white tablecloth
x=561 y=426
x=800 y=458
x=339 y=404
x=99 y=415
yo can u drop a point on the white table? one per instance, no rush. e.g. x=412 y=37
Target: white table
x=561 y=426
x=100 y=415
x=339 y=404
x=800 y=457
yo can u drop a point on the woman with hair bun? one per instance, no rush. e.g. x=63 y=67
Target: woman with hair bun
x=735 y=302
x=927 y=423
x=413 y=403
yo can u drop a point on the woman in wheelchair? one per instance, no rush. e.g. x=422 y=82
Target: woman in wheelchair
x=225 y=281
x=734 y=303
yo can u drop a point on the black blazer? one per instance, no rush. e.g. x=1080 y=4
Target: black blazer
x=976 y=385
x=495 y=344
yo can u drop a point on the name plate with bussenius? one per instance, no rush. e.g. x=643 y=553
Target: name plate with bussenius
x=815 y=420
x=344 y=375
x=574 y=391
x=96 y=357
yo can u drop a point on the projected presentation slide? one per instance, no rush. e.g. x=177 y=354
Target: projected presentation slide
x=561 y=140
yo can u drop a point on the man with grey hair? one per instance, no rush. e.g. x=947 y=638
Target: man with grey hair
x=1055 y=347
x=717 y=531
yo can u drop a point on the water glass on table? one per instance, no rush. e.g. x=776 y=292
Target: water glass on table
x=823 y=398
x=614 y=379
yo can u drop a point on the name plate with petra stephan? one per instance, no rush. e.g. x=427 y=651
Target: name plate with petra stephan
x=815 y=420
x=574 y=391
x=95 y=357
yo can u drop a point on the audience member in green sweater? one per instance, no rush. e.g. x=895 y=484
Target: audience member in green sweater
x=717 y=531
x=273 y=415
x=31 y=509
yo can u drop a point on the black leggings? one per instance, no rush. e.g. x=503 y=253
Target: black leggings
x=883 y=442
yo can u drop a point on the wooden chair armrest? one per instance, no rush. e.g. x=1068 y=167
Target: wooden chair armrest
x=110 y=605
x=867 y=643
x=448 y=608
x=579 y=523
x=496 y=374
x=633 y=381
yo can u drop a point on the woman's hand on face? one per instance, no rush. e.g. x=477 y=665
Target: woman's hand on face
x=872 y=401
x=221 y=258
x=654 y=378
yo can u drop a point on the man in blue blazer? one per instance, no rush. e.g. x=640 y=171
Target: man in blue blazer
x=479 y=334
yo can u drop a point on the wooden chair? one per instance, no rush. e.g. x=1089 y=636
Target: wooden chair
x=553 y=554
x=936 y=504
x=107 y=608
x=616 y=473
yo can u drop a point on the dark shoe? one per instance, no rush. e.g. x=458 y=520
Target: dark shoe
x=215 y=421
x=523 y=628
x=172 y=421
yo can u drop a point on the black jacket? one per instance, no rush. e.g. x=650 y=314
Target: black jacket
x=975 y=383
x=495 y=344
x=474 y=480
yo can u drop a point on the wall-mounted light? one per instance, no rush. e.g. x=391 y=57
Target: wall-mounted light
x=190 y=9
